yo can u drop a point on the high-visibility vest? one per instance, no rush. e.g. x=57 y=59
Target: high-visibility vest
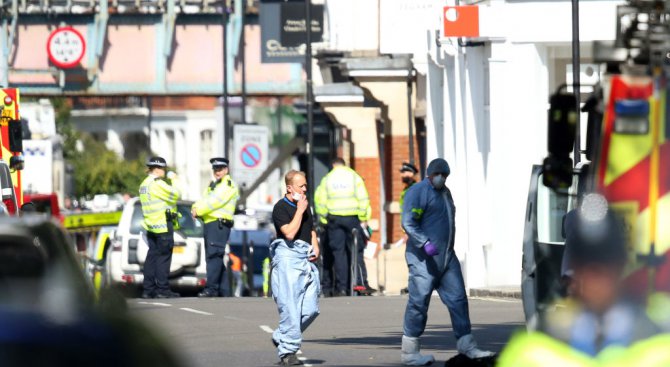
x=342 y=192
x=540 y=350
x=156 y=197
x=219 y=201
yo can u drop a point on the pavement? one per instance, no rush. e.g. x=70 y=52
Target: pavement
x=504 y=292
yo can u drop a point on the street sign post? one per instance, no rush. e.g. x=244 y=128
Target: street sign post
x=250 y=156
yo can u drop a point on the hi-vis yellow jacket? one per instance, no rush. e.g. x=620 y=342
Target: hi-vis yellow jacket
x=540 y=350
x=156 y=197
x=218 y=202
x=342 y=192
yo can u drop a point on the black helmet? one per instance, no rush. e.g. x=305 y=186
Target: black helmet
x=156 y=162
x=598 y=234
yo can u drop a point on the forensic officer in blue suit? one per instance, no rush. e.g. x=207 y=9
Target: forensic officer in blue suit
x=428 y=218
x=295 y=278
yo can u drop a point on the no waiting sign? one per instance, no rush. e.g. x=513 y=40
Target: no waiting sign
x=251 y=153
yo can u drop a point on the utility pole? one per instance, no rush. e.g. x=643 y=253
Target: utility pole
x=244 y=63
x=226 y=123
x=310 y=99
x=410 y=119
x=575 y=78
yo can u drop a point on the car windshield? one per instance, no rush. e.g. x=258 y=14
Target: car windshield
x=187 y=225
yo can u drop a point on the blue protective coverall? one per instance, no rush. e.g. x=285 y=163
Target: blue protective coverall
x=428 y=214
x=295 y=289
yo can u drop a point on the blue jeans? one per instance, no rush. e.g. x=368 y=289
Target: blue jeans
x=295 y=289
x=424 y=277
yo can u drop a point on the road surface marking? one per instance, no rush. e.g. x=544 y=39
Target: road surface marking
x=155 y=304
x=304 y=359
x=267 y=329
x=196 y=311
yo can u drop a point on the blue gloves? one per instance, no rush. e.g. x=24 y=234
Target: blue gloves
x=430 y=249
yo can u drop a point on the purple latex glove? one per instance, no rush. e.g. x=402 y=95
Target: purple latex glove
x=430 y=249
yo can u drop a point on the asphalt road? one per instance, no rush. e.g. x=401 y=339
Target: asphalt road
x=351 y=331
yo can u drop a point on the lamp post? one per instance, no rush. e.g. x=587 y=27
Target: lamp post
x=310 y=100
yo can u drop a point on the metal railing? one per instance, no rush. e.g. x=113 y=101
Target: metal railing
x=121 y=6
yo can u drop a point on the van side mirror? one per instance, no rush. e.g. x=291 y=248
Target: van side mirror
x=15 y=136
x=16 y=163
x=28 y=207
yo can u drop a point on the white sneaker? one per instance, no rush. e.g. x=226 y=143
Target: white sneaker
x=467 y=346
x=410 y=355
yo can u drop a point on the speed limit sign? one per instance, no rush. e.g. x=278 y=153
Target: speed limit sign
x=66 y=47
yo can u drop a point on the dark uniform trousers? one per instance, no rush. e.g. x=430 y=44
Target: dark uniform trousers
x=157 y=263
x=340 y=240
x=216 y=236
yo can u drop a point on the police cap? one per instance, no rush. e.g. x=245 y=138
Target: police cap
x=408 y=167
x=598 y=236
x=156 y=162
x=219 y=162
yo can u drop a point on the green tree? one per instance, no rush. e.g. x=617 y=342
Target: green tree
x=98 y=170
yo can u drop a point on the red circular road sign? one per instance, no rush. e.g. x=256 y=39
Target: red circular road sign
x=250 y=155
x=66 y=47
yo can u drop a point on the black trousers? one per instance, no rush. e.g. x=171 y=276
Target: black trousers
x=216 y=237
x=340 y=241
x=157 y=263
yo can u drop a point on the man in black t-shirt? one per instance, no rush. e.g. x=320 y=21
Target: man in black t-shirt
x=295 y=278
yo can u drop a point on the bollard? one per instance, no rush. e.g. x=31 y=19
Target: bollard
x=250 y=270
x=354 y=261
x=227 y=273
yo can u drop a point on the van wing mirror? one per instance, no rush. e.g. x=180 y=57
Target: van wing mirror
x=16 y=162
x=15 y=136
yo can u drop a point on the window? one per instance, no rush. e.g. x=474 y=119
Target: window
x=136 y=219
x=551 y=208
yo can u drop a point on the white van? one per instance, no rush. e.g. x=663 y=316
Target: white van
x=125 y=256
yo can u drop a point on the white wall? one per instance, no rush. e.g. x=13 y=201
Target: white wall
x=352 y=25
x=491 y=143
x=177 y=135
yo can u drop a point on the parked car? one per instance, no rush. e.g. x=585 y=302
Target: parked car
x=49 y=314
x=45 y=204
x=96 y=255
x=126 y=250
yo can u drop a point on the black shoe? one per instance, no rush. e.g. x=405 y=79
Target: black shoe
x=290 y=360
x=148 y=295
x=207 y=293
x=167 y=294
x=369 y=289
x=341 y=293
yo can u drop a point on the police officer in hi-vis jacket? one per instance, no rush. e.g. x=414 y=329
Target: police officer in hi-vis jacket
x=216 y=209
